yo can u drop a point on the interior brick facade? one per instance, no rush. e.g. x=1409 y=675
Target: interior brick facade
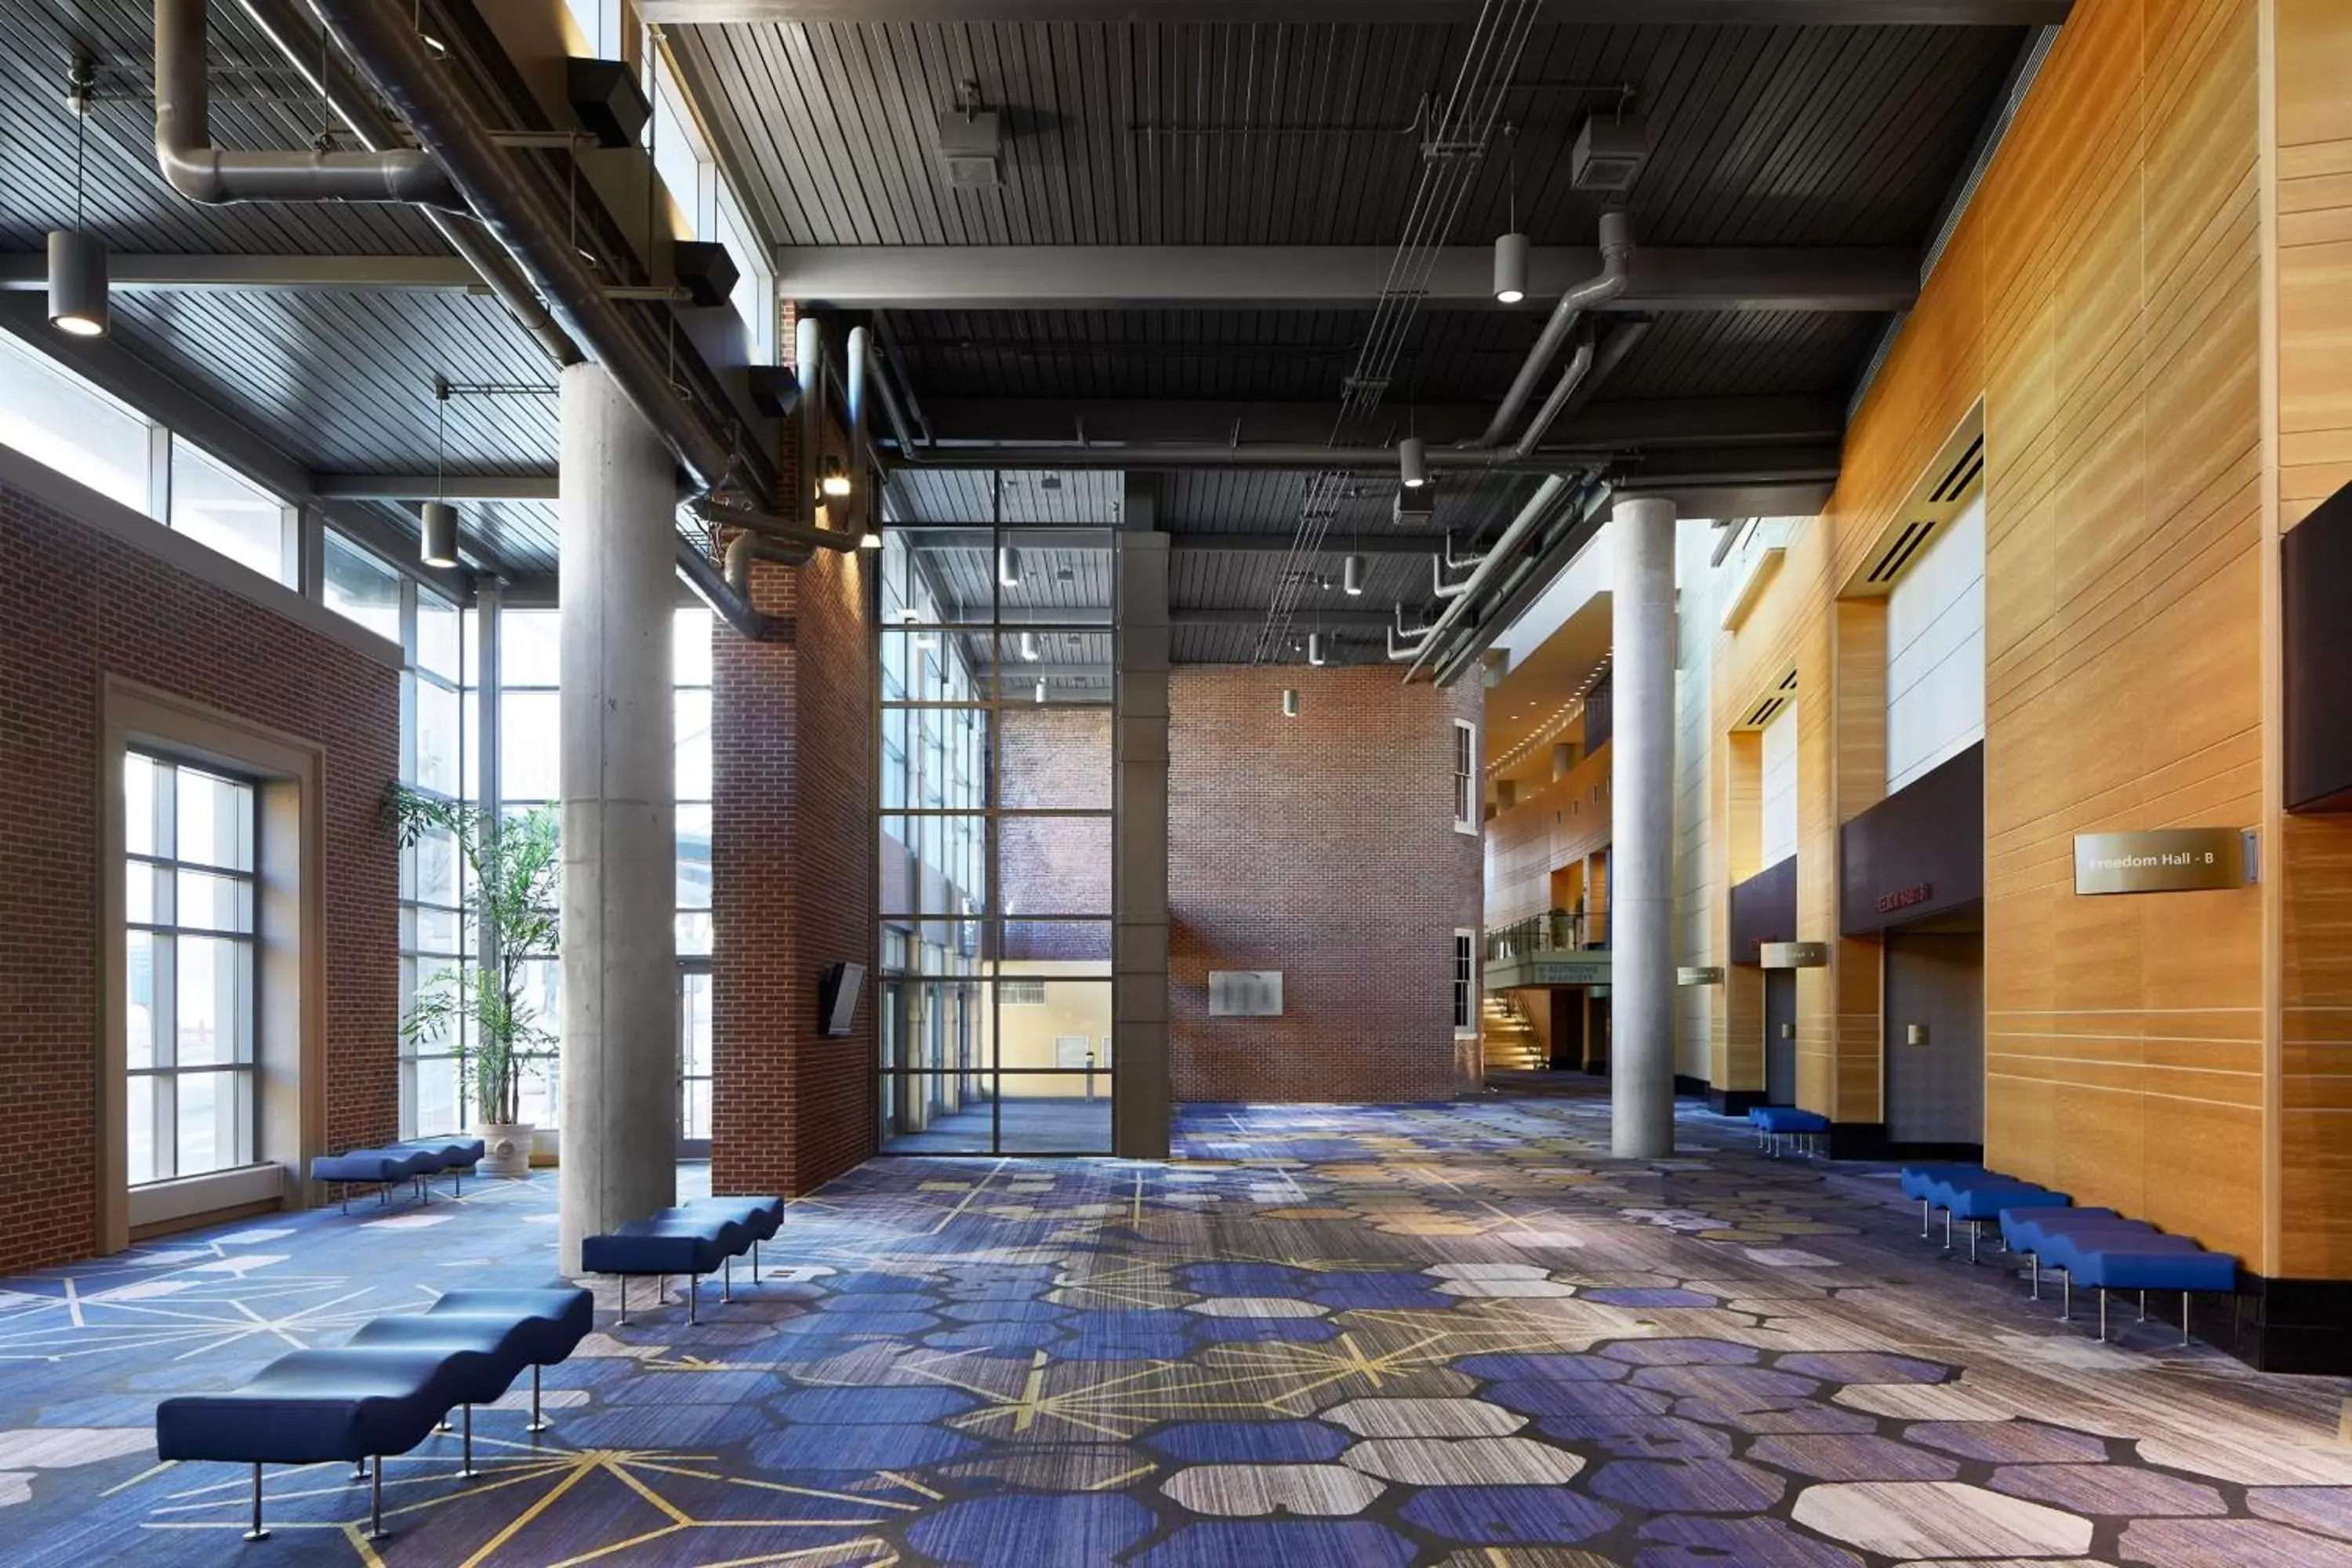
x=76 y=605
x=1322 y=845
x=793 y=846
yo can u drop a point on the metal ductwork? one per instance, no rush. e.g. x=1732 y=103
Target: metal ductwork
x=381 y=37
x=289 y=25
x=1616 y=257
x=1540 y=506
x=203 y=173
x=772 y=527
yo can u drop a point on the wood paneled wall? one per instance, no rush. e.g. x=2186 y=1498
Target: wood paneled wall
x=1562 y=822
x=2312 y=250
x=2103 y=296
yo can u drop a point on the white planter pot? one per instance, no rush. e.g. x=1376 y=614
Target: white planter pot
x=506 y=1151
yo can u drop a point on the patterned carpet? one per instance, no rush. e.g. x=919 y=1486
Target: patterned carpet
x=1332 y=1337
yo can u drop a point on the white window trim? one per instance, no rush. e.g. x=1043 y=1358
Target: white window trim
x=1465 y=784
x=1468 y=1028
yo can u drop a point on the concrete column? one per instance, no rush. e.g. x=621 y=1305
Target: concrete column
x=617 y=494
x=1642 y=818
x=1140 y=831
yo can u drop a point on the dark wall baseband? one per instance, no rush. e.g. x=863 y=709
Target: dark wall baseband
x=1735 y=1101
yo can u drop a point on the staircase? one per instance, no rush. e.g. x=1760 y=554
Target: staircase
x=1507 y=1040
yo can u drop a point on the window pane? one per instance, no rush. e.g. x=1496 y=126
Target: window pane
x=437 y=1096
x=439 y=737
x=142 y=1128
x=694 y=933
x=1055 y=865
x=140 y=977
x=528 y=766
x=215 y=1132
x=214 y=1012
x=209 y=901
x=690 y=632
x=215 y=820
x=436 y=867
x=1057 y=1113
x=693 y=744
x=529 y=647
x=674 y=156
x=362 y=588
x=437 y=632
x=693 y=857
x=932 y=1114
x=48 y=414
x=139 y=785
x=224 y=511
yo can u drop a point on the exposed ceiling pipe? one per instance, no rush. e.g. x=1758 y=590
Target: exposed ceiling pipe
x=733 y=604
x=864 y=516
x=203 y=173
x=1616 y=254
x=382 y=39
x=288 y=24
x=808 y=364
x=772 y=527
x=1540 y=506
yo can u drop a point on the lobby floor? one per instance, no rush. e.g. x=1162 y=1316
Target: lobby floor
x=1331 y=1337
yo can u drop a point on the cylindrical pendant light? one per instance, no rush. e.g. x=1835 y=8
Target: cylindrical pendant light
x=836 y=478
x=440 y=533
x=1511 y=267
x=1413 y=463
x=1352 y=574
x=1041 y=690
x=1008 y=565
x=77 y=282
x=1029 y=646
x=1290 y=702
x=1315 y=649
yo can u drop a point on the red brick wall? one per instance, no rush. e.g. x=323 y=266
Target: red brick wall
x=75 y=605
x=792 y=846
x=1324 y=846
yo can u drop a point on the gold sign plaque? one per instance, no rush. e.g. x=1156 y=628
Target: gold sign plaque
x=2164 y=860
x=1794 y=954
x=1702 y=974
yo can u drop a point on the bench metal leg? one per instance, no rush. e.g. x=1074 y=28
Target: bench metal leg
x=755 y=1263
x=346 y=1187
x=2184 y=1319
x=538 y=1423
x=2037 y=1276
x=375 y=1530
x=2066 y=1298
x=458 y=1179
x=384 y=1195
x=1948 y=1230
x=466 y=1455
x=623 y=1321
x=1925 y=1233
x=1973 y=1225
x=727 y=1279
x=258 y=1532
x=693 y=1298
x=2103 y=1314
x=359 y=1469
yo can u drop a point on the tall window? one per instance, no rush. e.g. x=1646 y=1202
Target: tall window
x=1465 y=776
x=433 y=894
x=189 y=839
x=995 y=997
x=529 y=719
x=690 y=661
x=1466 y=982
x=54 y=418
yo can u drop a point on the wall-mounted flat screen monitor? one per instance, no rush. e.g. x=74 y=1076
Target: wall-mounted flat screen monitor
x=836 y=996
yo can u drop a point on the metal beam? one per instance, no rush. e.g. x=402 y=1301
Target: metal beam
x=435 y=486
x=1604 y=427
x=1344 y=620
x=1701 y=13
x=21 y=270
x=981 y=536
x=1322 y=277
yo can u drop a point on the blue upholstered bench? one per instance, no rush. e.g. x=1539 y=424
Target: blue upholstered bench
x=702 y=1237
x=383 y=1393
x=453 y=1156
x=2115 y=1260
x=1972 y=1194
x=1774 y=1122
x=381 y=1167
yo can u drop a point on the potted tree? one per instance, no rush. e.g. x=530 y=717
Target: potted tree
x=513 y=865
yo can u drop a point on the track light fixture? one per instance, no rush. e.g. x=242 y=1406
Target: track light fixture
x=1413 y=463
x=836 y=478
x=1351 y=575
x=1029 y=646
x=869 y=540
x=1315 y=649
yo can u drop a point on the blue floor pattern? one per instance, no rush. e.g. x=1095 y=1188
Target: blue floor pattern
x=1332 y=1337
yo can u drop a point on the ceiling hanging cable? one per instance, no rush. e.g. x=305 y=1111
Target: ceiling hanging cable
x=1456 y=136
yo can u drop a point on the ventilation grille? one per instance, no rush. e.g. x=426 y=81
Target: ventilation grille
x=1769 y=708
x=1899 y=554
x=1962 y=475
x=1021 y=992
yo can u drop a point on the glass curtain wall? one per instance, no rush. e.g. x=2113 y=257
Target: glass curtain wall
x=435 y=934
x=693 y=630
x=994 y=802
x=189 y=874
x=529 y=719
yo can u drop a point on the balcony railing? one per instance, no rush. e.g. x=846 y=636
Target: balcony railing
x=1572 y=931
